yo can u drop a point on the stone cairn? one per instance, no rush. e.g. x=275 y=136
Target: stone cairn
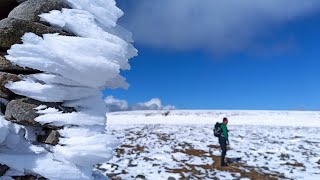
x=16 y=18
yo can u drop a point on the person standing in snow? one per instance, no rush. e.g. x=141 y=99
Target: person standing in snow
x=223 y=140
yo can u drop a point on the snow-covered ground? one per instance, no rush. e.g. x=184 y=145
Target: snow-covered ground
x=180 y=144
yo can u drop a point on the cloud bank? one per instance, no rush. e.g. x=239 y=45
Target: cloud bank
x=114 y=105
x=218 y=26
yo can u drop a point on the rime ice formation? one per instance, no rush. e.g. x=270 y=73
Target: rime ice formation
x=72 y=71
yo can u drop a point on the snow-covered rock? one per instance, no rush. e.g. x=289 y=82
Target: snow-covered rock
x=56 y=126
x=7 y=66
x=24 y=111
x=5 y=78
x=11 y=30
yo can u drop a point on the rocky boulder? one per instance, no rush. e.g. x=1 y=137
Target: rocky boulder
x=30 y=9
x=11 y=31
x=22 y=111
x=50 y=137
x=4 y=79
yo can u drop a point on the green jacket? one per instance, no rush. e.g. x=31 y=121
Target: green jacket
x=224 y=131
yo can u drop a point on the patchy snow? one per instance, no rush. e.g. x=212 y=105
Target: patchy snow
x=181 y=145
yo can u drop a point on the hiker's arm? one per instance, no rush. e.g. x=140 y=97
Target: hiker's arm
x=225 y=132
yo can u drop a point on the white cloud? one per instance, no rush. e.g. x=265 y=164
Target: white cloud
x=116 y=104
x=122 y=105
x=217 y=25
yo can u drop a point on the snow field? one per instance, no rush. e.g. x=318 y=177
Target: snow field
x=176 y=146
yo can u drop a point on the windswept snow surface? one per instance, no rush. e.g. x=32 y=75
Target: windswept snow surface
x=75 y=70
x=266 y=118
x=161 y=144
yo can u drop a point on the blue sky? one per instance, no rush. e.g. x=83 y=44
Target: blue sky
x=276 y=69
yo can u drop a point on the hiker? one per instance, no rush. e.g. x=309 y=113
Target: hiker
x=221 y=131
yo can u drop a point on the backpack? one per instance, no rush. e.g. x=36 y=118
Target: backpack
x=217 y=130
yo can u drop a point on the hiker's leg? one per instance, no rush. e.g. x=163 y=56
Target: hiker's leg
x=220 y=142
x=224 y=150
x=223 y=156
x=223 y=146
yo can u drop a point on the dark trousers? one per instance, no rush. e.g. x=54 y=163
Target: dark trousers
x=223 y=145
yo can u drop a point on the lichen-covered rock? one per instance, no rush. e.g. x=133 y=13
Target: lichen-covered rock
x=22 y=111
x=4 y=79
x=11 y=31
x=30 y=9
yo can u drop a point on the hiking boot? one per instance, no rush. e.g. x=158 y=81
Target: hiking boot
x=225 y=164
